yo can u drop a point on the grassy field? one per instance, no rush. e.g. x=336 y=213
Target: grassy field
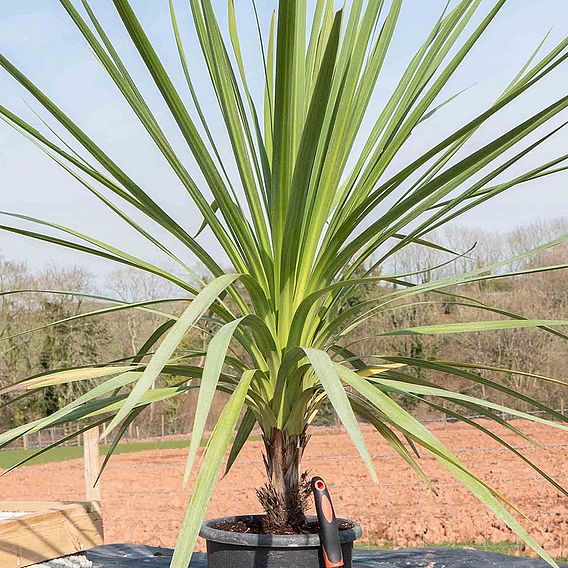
x=504 y=547
x=11 y=457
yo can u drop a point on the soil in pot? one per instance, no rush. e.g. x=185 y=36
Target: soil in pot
x=256 y=525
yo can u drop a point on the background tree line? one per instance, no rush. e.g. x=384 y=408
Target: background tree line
x=119 y=335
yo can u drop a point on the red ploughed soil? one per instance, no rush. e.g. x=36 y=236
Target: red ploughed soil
x=143 y=499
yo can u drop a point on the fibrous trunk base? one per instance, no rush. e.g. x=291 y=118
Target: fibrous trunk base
x=284 y=497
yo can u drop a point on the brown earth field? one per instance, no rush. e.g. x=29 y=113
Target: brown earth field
x=143 y=500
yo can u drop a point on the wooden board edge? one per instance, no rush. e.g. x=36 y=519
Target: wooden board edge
x=54 y=529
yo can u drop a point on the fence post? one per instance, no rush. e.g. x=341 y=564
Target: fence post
x=91 y=464
x=163 y=426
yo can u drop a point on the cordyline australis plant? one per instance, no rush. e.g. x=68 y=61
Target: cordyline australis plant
x=306 y=221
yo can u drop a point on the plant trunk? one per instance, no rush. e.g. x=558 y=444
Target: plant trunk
x=285 y=494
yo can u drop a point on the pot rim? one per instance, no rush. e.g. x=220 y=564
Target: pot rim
x=272 y=540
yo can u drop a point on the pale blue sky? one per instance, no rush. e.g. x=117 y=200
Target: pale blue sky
x=39 y=38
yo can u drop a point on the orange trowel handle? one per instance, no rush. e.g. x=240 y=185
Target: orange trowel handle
x=329 y=533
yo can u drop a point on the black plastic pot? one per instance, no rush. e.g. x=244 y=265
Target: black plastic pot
x=246 y=550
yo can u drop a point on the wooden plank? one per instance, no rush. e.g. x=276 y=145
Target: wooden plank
x=50 y=530
x=91 y=459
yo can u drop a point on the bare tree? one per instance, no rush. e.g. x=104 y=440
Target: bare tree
x=531 y=236
x=132 y=286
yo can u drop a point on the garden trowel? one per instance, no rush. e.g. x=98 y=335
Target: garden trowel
x=329 y=532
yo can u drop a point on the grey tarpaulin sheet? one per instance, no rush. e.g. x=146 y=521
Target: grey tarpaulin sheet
x=133 y=556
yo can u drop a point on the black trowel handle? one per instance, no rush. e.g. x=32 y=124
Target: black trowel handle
x=329 y=533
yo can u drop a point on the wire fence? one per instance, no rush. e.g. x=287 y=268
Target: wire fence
x=157 y=429
x=162 y=429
